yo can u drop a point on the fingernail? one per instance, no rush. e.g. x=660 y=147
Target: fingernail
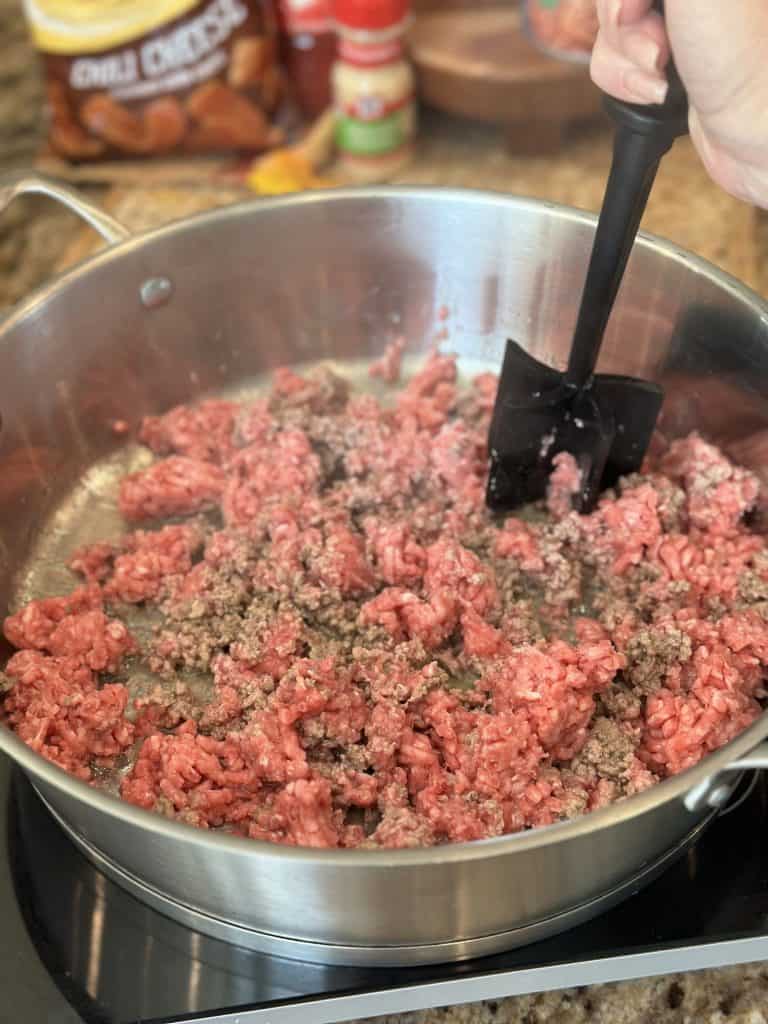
x=642 y=50
x=644 y=87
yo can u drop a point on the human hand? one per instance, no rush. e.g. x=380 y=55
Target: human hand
x=719 y=53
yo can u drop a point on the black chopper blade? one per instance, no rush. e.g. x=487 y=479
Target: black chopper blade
x=522 y=382
x=528 y=437
x=606 y=427
x=634 y=406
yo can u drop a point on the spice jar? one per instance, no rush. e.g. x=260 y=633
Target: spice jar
x=565 y=29
x=309 y=51
x=373 y=89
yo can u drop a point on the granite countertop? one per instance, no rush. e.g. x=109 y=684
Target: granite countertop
x=35 y=236
x=31 y=231
x=685 y=205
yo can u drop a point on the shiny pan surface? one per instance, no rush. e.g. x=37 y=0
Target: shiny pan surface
x=212 y=303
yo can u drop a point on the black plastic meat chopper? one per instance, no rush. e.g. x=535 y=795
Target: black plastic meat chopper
x=605 y=421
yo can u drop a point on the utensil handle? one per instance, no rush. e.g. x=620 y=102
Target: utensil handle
x=671 y=116
x=644 y=133
x=19 y=183
x=636 y=159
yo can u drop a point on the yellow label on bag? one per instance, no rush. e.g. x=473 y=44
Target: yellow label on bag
x=88 y=26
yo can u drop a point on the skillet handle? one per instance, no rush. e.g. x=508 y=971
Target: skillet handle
x=714 y=792
x=19 y=183
x=757 y=758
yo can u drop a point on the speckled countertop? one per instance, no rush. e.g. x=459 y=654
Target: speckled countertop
x=686 y=207
x=31 y=233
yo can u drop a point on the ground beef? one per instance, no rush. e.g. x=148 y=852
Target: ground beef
x=56 y=708
x=73 y=627
x=718 y=493
x=176 y=486
x=388 y=367
x=350 y=651
x=651 y=653
x=148 y=561
x=564 y=485
x=202 y=431
x=609 y=752
x=94 y=561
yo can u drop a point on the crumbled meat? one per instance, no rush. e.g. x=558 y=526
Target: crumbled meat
x=518 y=541
x=753 y=588
x=608 y=750
x=564 y=485
x=718 y=493
x=399 y=559
x=651 y=653
x=402 y=828
x=318 y=392
x=55 y=707
x=202 y=431
x=94 y=561
x=348 y=650
x=621 y=703
x=164 y=707
x=388 y=367
x=73 y=627
x=176 y=486
x=149 y=559
x=286 y=471
x=192 y=643
x=431 y=393
x=33 y=626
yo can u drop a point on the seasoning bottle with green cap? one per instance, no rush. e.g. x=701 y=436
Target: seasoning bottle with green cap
x=373 y=89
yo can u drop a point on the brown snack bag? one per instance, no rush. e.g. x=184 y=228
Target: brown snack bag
x=144 y=78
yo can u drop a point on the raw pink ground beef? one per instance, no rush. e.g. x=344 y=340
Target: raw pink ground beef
x=384 y=663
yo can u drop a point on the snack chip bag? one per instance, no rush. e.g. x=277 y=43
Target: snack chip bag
x=145 y=78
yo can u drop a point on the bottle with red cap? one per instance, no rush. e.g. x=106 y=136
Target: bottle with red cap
x=309 y=51
x=373 y=89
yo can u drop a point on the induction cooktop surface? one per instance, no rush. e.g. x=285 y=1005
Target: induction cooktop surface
x=76 y=949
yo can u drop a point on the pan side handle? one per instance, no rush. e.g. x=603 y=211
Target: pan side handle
x=19 y=183
x=715 y=791
x=757 y=758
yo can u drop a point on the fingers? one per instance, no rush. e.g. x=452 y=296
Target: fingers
x=720 y=55
x=615 y=13
x=626 y=77
x=631 y=51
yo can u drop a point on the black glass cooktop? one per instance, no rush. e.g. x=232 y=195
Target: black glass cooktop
x=76 y=949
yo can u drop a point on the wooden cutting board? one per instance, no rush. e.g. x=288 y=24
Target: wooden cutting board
x=477 y=63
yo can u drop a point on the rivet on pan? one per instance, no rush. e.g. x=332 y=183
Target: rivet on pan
x=719 y=795
x=155 y=292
